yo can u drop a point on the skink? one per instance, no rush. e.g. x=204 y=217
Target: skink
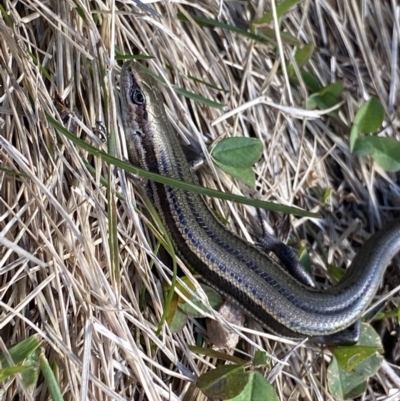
x=249 y=277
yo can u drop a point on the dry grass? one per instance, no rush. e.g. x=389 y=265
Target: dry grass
x=58 y=276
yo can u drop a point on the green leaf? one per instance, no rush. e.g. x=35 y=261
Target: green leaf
x=50 y=379
x=340 y=382
x=237 y=152
x=257 y=389
x=12 y=371
x=13 y=172
x=20 y=352
x=352 y=365
x=171 y=181
x=302 y=57
x=304 y=54
x=310 y=81
x=176 y=320
x=260 y=359
x=171 y=250
x=370 y=116
x=198 y=98
x=208 y=22
x=223 y=382
x=200 y=81
x=336 y=272
x=123 y=57
x=348 y=357
x=179 y=309
x=362 y=147
x=367 y=120
x=42 y=69
x=326 y=196
x=245 y=174
x=344 y=385
x=281 y=9
x=30 y=376
x=236 y=156
x=214 y=299
x=304 y=257
x=6 y=16
x=385 y=151
x=327 y=97
x=268 y=36
x=335 y=89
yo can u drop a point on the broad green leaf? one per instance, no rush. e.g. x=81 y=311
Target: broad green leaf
x=304 y=257
x=362 y=147
x=214 y=299
x=348 y=357
x=304 y=54
x=281 y=9
x=357 y=391
x=370 y=116
x=174 y=317
x=176 y=320
x=183 y=290
x=245 y=174
x=335 y=89
x=367 y=120
x=345 y=385
x=237 y=152
x=354 y=136
x=327 y=97
x=260 y=359
x=236 y=156
x=310 y=81
x=257 y=389
x=385 y=151
x=312 y=101
x=179 y=309
x=352 y=365
x=223 y=382
x=30 y=376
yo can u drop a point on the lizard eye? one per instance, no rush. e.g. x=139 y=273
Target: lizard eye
x=137 y=97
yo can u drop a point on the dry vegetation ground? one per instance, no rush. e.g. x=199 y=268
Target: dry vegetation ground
x=58 y=275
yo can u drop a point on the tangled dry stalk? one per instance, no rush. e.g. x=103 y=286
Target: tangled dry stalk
x=59 y=275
